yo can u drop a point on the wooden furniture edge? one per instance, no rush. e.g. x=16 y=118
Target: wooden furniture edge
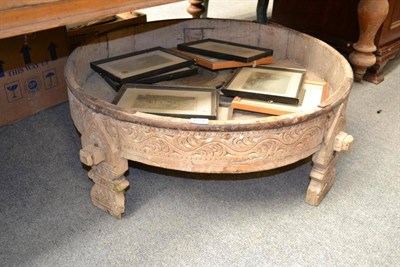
x=23 y=20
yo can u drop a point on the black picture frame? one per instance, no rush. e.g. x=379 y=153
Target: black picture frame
x=171 y=75
x=276 y=84
x=225 y=50
x=173 y=101
x=149 y=62
x=114 y=85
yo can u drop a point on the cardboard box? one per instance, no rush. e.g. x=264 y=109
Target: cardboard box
x=32 y=73
x=32 y=88
x=33 y=48
x=32 y=65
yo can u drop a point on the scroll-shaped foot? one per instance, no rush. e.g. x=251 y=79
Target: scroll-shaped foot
x=322 y=178
x=108 y=192
x=110 y=198
x=323 y=173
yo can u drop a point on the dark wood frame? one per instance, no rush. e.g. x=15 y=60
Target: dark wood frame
x=263 y=52
x=361 y=29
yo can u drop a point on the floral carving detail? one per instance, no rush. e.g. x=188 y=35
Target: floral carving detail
x=234 y=147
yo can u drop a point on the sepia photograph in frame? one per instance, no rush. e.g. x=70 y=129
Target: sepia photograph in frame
x=184 y=102
x=225 y=50
x=276 y=84
x=142 y=64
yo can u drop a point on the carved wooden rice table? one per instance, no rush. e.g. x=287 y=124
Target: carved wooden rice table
x=112 y=135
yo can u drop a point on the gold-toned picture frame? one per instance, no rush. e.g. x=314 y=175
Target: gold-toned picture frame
x=266 y=83
x=185 y=102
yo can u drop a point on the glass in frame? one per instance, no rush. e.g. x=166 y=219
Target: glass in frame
x=141 y=64
x=185 y=102
x=267 y=83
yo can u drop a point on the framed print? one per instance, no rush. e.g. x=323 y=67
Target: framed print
x=266 y=83
x=185 y=102
x=314 y=93
x=141 y=64
x=213 y=63
x=225 y=50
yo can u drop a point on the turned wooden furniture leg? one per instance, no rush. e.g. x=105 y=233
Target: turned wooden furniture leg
x=323 y=172
x=371 y=14
x=100 y=152
x=196 y=8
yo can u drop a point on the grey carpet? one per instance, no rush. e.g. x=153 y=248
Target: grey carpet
x=180 y=219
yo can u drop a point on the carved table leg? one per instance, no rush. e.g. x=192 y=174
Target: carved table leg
x=323 y=172
x=108 y=192
x=100 y=151
x=371 y=14
x=196 y=8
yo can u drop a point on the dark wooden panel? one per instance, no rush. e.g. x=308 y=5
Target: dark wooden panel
x=390 y=30
x=334 y=21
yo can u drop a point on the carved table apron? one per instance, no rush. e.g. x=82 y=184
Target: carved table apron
x=111 y=135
